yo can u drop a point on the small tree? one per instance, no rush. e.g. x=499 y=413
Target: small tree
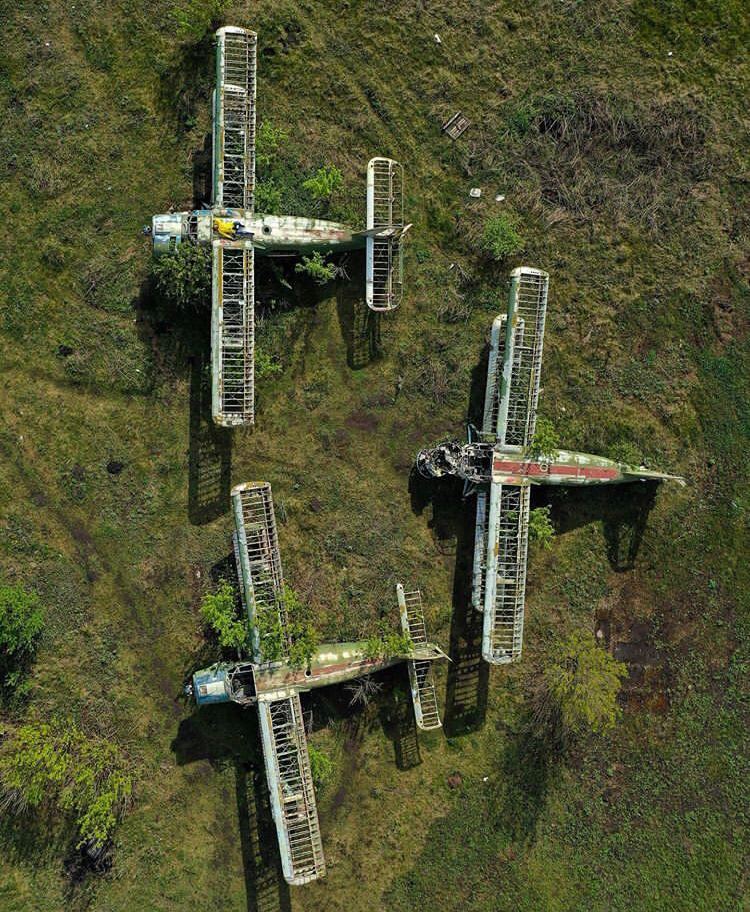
x=21 y=623
x=578 y=692
x=541 y=529
x=324 y=183
x=219 y=612
x=545 y=441
x=183 y=276
x=317 y=267
x=303 y=637
x=500 y=238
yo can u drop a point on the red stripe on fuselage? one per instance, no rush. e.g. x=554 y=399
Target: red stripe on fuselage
x=508 y=467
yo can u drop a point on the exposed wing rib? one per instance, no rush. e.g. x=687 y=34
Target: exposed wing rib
x=234 y=119
x=385 y=214
x=257 y=547
x=291 y=789
x=233 y=334
x=420 y=670
x=505 y=575
x=521 y=354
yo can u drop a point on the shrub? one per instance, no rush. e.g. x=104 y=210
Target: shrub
x=183 y=276
x=321 y=766
x=540 y=527
x=58 y=766
x=500 y=238
x=317 y=267
x=267 y=142
x=219 y=612
x=389 y=646
x=324 y=183
x=545 y=442
x=267 y=197
x=21 y=623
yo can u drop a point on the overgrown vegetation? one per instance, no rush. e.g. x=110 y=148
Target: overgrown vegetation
x=322 y=767
x=183 y=276
x=388 y=645
x=545 y=442
x=56 y=767
x=501 y=238
x=324 y=183
x=541 y=529
x=317 y=267
x=21 y=625
x=219 y=611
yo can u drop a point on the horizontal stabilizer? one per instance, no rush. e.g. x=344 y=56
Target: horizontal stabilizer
x=384 y=233
x=420 y=670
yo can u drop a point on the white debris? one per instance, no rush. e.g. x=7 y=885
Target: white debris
x=475 y=192
x=485 y=778
x=437 y=39
x=669 y=53
x=500 y=197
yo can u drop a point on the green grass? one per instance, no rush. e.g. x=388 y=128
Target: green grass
x=625 y=171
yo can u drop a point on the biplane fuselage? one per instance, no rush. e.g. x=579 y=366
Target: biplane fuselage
x=333 y=663
x=266 y=234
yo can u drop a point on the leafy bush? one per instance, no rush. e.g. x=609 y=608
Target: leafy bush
x=324 y=183
x=389 y=646
x=304 y=643
x=267 y=197
x=541 y=529
x=500 y=238
x=21 y=623
x=58 y=766
x=266 y=366
x=321 y=766
x=578 y=692
x=545 y=442
x=183 y=276
x=268 y=139
x=270 y=634
x=219 y=612
x=317 y=267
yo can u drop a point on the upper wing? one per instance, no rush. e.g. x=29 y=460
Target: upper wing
x=234 y=119
x=233 y=334
x=420 y=670
x=506 y=542
x=291 y=789
x=385 y=221
x=513 y=394
x=259 y=562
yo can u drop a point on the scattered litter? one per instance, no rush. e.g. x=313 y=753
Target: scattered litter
x=47 y=43
x=456 y=125
x=475 y=192
x=485 y=778
x=114 y=466
x=455 y=780
x=669 y=53
x=437 y=39
x=500 y=198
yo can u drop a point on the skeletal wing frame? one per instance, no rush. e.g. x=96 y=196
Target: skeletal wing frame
x=233 y=289
x=502 y=523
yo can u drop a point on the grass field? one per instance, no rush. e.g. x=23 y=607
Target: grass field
x=618 y=133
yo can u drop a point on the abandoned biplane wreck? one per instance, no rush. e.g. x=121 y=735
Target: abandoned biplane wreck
x=275 y=686
x=235 y=231
x=501 y=463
